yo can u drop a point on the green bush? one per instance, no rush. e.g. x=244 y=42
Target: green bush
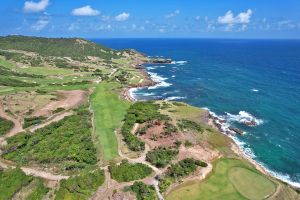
x=126 y=172
x=184 y=168
x=139 y=112
x=169 y=128
x=161 y=157
x=58 y=110
x=81 y=186
x=143 y=191
x=65 y=142
x=5 y=126
x=6 y=81
x=30 y=121
x=38 y=192
x=11 y=181
x=189 y=125
x=164 y=184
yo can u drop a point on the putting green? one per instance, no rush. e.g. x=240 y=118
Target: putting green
x=231 y=179
x=251 y=184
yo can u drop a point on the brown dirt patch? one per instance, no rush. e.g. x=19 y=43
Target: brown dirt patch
x=66 y=100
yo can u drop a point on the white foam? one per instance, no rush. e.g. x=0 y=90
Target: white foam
x=254 y=90
x=174 y=98
x=159 y=80
x=243 y=117
x=173 y=76
x=181 y=62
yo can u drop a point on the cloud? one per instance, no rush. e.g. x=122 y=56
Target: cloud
x=230 y=19
x=85 y=11
x=122 y=17
x=41 y=23
x=31 y=6
x=173 y=14
x=286 y=24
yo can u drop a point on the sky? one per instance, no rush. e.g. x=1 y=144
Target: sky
x=152 y=18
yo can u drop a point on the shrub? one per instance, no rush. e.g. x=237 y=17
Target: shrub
x=184 y=167
x=126 y=172
x=58 y=110
x=190 y=125
x=81 y=186
x=164 y=184
x=11 y=181
x=66 y=141
x=139 y=112
x=30 y=121
x=5 y=126
x=161 y=157
x=143 y=191
x=38 y=192
x=188 y=143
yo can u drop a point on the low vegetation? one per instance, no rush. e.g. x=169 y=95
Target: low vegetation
x=126 y=171
x=38 y=192
x=7 y=81
x=67 y=142
x=11 y=181
x=5 y=126
x=139 y=112
x=142 y=191
x=30 y=121
x=80 y=186
x=161 y=157
x=189 y=125
x=178 y=171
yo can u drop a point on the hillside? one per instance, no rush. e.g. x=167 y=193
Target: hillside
x=62 y=47
x=70 y=130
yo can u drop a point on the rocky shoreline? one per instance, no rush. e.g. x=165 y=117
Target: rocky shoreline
x=213 y=120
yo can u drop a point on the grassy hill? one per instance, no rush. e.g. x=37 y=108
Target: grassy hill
x=62 y=47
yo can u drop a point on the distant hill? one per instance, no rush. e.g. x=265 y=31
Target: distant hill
x=62 y=47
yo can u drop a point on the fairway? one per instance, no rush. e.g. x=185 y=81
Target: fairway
x=242 y=179
x=227 y=183
x=109 y=112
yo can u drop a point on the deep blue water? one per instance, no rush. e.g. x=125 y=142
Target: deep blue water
x=261 y=77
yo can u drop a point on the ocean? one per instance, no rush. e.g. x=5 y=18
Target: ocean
x=238 y=80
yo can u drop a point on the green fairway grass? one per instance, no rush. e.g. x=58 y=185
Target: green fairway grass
x=226 y=183
x=241 y=177
x=109 y=111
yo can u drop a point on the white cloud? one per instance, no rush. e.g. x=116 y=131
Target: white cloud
x=31 y=6
x=85 y=11
x=41 y=23
x=241 y=18
x=286 y=24
x=122 y=17
x=173 y=14
x=197 y=18
x=73 y=27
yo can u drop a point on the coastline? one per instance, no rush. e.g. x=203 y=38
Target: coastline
x=235 y=147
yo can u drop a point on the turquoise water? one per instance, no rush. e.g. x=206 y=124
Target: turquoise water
x=260 y=77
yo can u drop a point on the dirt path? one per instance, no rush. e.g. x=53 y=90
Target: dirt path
x=17 y=124
x=34 y=172
x=55 y=118
x=66 y=100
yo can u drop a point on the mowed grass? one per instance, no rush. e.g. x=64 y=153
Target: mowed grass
x=109 y=111
x=241 y=177
x=225 y=184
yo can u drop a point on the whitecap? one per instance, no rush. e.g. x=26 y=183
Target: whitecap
x=254 y=90
x=174 y=98
x=159 y=80
x=173 y=76
x=243 y=117
x=181 y=62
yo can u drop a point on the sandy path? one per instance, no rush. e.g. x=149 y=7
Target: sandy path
x=55 y=118
x=67 y=100
x=34 y=172
x=17 y=124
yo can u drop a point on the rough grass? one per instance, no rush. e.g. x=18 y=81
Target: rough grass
x=219 y=186
x=109 y=112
